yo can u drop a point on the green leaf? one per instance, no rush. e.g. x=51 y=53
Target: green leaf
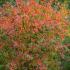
x=66 y=40
x=1 y=67
x=37 y=1
x=4 y=37
x=66 y=65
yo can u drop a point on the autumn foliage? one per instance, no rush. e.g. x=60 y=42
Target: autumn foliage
x=33 y=34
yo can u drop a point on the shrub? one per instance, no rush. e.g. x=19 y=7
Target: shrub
x=33 y=34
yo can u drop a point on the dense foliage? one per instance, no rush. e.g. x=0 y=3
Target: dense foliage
x=34 y=34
